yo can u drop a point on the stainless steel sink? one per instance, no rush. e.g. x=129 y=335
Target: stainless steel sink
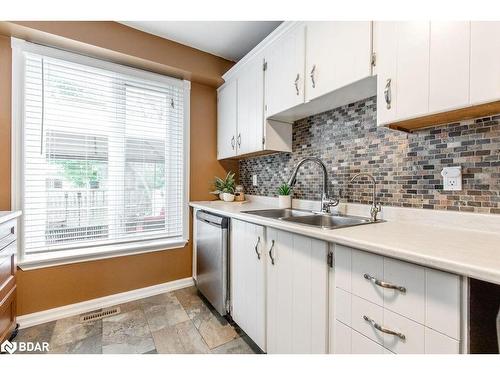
x=309 y=218
x=329 y=221
x=279 y=213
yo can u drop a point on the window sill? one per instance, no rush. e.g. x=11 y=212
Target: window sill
x=34 y=261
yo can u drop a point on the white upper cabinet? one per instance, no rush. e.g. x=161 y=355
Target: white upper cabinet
x=226 y=120
x=386 y=47
x=250 y=107
x=241 y=127
x=484 y=62
x=412 y=70
x=402 y=52
x=449 y=65
x=337 y=54
x=284 y=85
x=431 y=68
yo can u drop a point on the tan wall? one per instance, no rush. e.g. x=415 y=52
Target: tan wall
x=5 y=109
x=57 y=286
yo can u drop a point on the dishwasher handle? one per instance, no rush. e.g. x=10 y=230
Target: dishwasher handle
x=212 y=219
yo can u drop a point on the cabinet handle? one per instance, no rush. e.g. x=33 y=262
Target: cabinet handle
x=384 y=284
x=312 y=76
x=257 y=248
x=296 y=83
x=383 y=329
x=232 y=142
x=387 y=93
x=239 y=140
x=271 y=252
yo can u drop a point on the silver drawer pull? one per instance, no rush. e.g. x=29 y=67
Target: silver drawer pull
x=383 y=329
x=257 y=248
x=384 y=284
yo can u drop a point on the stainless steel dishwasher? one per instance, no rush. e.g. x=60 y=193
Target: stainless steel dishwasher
x=212 y=259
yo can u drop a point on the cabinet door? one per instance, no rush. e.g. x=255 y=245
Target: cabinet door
x=337 y=54
x=484 y=61
x=227 y=120
x=449 y=65
x=297 y=294
x=412 y=76
x=284 y=76
x=248 y=279
x=385 y=46
x=251 y=107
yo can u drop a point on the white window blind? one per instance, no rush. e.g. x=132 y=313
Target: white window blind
x=103 y=156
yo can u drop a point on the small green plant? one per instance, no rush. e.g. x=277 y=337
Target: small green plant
x=284 y=189
x=225 y=185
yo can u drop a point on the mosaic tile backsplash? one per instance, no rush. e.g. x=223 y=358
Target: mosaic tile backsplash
x=406 y=167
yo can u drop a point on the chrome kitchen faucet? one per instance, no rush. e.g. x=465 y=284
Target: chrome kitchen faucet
x=326 y=203
x=376 y=207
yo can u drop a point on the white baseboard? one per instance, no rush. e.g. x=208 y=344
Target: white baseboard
x=50 y=315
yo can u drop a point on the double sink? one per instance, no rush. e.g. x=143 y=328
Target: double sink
x=310 y=218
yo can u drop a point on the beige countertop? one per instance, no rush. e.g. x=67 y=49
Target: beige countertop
x=8 y=215
x=470 y=253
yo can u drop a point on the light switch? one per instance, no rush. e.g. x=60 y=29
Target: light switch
x=452 y=178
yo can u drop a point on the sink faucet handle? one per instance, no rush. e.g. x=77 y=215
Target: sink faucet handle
x=328 y=203
x=376 y=208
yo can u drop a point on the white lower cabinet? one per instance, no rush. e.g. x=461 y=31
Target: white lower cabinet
x=248 y=281
x=297 y=293
x=288 y=300
x=401 y=307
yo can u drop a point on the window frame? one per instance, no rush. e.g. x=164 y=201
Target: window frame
x=79 y=254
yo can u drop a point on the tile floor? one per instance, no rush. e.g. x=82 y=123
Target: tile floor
x=176 y=322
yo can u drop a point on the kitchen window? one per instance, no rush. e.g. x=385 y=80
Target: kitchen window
x=100 y=156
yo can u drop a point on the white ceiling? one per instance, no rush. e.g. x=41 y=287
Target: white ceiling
x=228 y=39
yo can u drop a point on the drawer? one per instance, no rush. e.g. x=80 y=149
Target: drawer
x=414 y=332
x=342 y=302
x=7 y=268
x=363 y=345
x=369 y=264
x=342 y=338
x=430 y=297
x=362 y=308
x=413 y=343
x=7 y=314
x=411 y=302
x=442 y=307
x=7 y=232
x=437 y=343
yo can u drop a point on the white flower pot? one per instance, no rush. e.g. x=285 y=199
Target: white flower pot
x=284 y=201
x=227 y=197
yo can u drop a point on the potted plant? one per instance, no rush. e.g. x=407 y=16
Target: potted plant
x=284 y=196
x=224 y=187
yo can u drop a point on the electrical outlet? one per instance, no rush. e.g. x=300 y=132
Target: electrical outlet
x=452 y=178
x=254 y=180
